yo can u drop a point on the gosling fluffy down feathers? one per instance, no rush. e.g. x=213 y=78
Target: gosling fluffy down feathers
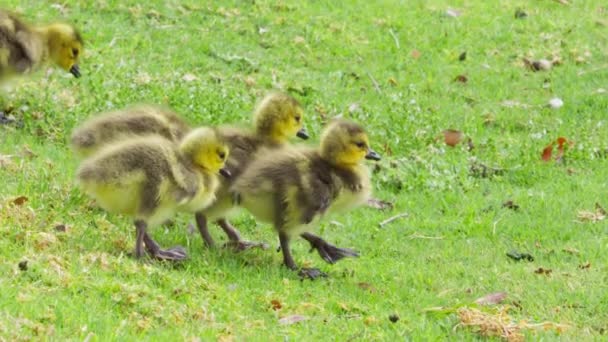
x=150 y=177
x=24 y=48
x=292 y=187
x=295 y=186
x=140 y=120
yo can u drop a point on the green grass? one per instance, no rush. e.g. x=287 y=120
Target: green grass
x=82 y=283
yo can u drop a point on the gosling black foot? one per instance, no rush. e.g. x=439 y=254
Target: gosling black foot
x=6 y=119
x=242 y=245
x=328 y=252
x=177 y=253
x=311 y=273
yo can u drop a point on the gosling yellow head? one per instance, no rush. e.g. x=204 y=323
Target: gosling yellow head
x=24 y=48
x=346 y=144
x=279 y=117
x=65 y=46
x=204 y=147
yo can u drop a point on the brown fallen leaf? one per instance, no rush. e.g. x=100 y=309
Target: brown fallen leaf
x=510 y=205
x=545 y=271
x=452 y=137
x=276 y=304
x=61 y=227
x=592 y=216
x=500 y=324
x=415 y=54
x=492 y=298
x=461 y=79
x=572 y=251
x=288 y=320
x=20 y=200
x=585 y=266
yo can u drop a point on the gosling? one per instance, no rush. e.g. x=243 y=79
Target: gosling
x=293 y=188
x=150 y=179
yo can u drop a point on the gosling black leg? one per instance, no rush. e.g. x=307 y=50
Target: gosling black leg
x=140 y=230
x=305 y=272
x=327 y=251
x=201 y=223
x=235 y=238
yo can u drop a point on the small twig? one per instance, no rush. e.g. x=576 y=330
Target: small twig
x=494 y=226
x=418 y=236
x=394 y=38
x=393 y=218
x=376 y=85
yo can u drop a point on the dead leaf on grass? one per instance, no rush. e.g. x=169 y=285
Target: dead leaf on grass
x=538 y=65
x=452 y=137
x=592 y=216
x=461 y=79
x=276 y=304
x=562 y=143
x=416 y=54
x=585 y=266
x=545 y=271
x=572 y=251
x=520 y=14
x=500 y=324
x=510 y=205
x=20 y=200
x=492 y=298
x=288 y=320
x=43 y=240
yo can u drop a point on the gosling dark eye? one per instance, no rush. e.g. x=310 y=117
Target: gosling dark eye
x=297 y=118
x=222 y=155
x=360 y=144
x=75 y=52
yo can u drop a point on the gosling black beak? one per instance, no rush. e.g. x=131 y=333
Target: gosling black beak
x=372 y=155
x=75 y=70
x=224 y=172
x=302 y=134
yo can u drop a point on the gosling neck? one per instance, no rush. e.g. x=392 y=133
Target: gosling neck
x=43 y=34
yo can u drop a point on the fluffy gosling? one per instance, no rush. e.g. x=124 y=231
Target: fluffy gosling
x=140 y=120
x=292 y=188
x=150 y=178
x=24 y=48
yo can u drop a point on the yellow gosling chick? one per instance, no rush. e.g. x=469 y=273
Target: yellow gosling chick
x=294 y=187
x=277 y=118
x=139 y=120
x=24 y=48
x=150 y=178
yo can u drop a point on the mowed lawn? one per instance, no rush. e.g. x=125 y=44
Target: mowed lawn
x=406 y=70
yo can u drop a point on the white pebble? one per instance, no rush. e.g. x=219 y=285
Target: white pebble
x=556 y=103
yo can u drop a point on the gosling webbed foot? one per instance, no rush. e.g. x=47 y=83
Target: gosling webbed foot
x=328 y=252
x=311 y=273
x=242 y=245
x=177 y=253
